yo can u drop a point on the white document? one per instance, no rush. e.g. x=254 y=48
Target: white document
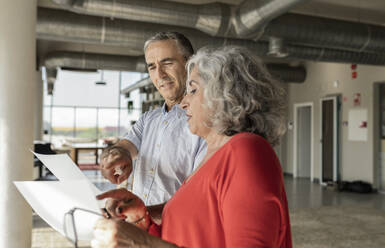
x=53 y=199
x=62 y=166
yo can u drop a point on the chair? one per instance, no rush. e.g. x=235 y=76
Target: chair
x=44 y=173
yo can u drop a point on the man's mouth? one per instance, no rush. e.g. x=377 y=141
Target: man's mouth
x=188 y=117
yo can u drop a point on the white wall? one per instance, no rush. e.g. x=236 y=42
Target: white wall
x=356 y=161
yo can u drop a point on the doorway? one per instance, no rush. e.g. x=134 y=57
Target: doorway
x=379 y=136
x=303 y=141
x=329 y=139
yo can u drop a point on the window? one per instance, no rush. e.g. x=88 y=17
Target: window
x=80 y=109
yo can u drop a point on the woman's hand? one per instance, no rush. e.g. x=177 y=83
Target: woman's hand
x=117 y=233
x=126 y=206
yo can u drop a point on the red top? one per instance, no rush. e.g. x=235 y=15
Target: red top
x=236 y=199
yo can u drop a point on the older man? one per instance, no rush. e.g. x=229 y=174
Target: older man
x=160 y=141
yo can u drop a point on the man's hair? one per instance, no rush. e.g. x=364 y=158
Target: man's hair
x=184 y=45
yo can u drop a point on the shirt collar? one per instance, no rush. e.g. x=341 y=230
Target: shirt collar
x=176 y=109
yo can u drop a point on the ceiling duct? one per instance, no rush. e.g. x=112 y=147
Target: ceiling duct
x=88 y=61
x=92 y=61
x=250 y=16
x=286 y=73
x=209 y=18
x=323 y=32
x=66 y=26
x=214 y=19
x=50 y=76
x=277 y=48
x=245 y=20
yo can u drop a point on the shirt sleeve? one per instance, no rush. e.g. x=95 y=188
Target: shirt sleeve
x=154 y=229
x=251 y=195
x=136 y=132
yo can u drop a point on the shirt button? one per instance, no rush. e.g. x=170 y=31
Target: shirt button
x=145 y=195
x=158 y=145
x=165 y=122
x=151 y=171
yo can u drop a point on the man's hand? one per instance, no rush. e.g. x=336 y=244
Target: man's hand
x=116 y=164
x=125 y=205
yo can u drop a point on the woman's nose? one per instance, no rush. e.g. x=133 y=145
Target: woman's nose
x=184 y=102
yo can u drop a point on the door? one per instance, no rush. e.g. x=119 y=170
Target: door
x=381 y=171
x=304 y=141
x=329 y=135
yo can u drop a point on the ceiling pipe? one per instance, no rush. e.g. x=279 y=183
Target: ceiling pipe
x=243 y=21
x=93 y=61
x=208 y=18
x=215 y=19
x=250 y=16
x=50 y=77
x=61 y=25
x=331 y=33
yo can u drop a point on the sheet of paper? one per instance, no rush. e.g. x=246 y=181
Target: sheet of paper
x=62 y=166
x=51 y=200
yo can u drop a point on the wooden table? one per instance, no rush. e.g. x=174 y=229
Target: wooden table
x=76 y=148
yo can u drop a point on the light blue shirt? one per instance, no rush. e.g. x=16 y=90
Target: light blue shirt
x=167 y=154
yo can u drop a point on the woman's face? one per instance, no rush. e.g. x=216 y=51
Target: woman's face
x=193 y=103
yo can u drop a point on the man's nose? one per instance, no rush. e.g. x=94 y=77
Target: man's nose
x=160 y=73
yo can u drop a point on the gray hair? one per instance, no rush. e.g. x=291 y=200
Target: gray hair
x=184 y=45
x=239 y=93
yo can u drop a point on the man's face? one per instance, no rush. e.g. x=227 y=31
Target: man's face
x=166 y=67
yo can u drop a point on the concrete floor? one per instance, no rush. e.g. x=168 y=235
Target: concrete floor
x=302 y=194
x=320 y=217
x=323 y=218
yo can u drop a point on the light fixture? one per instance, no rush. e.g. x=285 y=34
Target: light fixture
x=101 y=81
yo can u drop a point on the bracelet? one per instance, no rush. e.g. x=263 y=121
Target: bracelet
x=140 y=219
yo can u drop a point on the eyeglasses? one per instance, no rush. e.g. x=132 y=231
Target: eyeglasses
x=69 y=225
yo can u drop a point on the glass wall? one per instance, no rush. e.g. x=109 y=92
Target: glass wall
x=82 y=110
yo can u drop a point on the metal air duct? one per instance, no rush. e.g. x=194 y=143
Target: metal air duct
x=214 y=19
x=209 y=18
x=323 y=32
x=90 y=61
x=66 y=26
x=286 y=73
x=50 y=76
x=245 y=20
x=250 y=16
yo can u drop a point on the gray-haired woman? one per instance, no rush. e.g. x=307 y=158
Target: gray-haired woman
x=236 y=197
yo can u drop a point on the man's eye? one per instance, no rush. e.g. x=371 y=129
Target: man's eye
x=192 y=92
x=151 y=68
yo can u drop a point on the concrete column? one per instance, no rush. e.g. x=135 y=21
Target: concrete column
x=39 y=107
x=17 y=102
